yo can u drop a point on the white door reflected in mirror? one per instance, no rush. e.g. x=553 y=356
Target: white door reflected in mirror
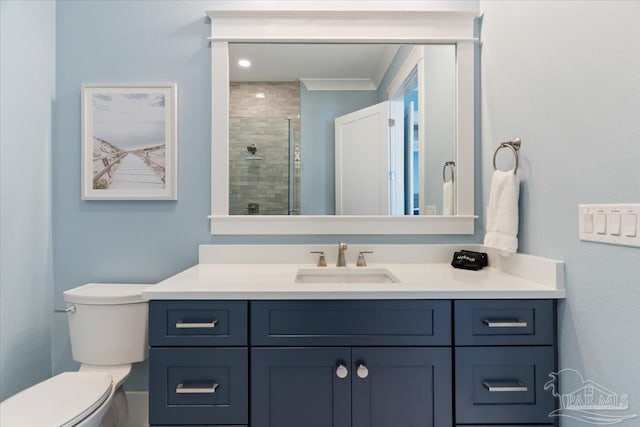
x=363 y=185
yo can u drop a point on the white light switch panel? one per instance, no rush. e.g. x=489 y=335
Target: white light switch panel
x=613 y=224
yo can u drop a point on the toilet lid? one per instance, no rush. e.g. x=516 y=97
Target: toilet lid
x=61 y=401
x=106 y=294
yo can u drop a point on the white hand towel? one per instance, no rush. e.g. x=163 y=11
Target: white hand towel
x=502 y=213
x=448 y=198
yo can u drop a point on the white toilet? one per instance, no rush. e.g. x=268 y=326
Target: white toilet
x=108 y=327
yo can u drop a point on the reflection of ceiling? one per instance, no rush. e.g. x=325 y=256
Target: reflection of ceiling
x=316 y=62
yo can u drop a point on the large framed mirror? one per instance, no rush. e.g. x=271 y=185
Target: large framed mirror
x=330 y=121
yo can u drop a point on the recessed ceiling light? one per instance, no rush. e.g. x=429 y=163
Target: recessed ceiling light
x=244 y=63
x=261 y=95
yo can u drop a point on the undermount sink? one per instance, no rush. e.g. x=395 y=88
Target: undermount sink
x=345 y=275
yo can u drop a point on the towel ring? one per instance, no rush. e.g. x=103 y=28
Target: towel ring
x=452 y=165
x=514 y=146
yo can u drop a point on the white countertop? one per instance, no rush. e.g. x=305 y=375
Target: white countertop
x=250 y=272
x=276 y=281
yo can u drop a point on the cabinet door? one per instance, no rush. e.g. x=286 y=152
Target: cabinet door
x=294 y=387
x=408 y=387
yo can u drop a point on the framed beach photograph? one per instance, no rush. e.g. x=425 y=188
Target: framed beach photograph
x=129 y=142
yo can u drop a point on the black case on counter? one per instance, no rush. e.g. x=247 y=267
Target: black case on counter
x=469 y=260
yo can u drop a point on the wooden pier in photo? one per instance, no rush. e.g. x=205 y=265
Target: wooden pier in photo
x=142 y=168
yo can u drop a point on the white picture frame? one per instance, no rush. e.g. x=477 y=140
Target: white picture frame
x=129 y=141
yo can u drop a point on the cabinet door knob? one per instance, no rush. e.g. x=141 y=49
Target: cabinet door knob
x=341 y=371
x=362 y=371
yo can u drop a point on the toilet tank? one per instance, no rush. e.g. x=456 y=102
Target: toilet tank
x=107 y=323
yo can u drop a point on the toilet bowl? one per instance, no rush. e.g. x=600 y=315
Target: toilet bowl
x=108 y=329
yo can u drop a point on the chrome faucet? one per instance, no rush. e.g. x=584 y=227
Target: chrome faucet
x=342 y=246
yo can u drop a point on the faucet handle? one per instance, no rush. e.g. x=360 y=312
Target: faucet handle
x=322 y=261
x=361 y=261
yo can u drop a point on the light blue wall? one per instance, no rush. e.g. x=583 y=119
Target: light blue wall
x=27 y=83
x=401 y=55
x=564 y=77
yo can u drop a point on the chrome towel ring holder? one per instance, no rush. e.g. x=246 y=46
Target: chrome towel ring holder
x=514 y=146
x=451 y=164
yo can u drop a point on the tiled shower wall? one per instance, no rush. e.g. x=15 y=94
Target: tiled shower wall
x=263 y=121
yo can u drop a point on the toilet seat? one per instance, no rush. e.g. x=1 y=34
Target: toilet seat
x=61 y=401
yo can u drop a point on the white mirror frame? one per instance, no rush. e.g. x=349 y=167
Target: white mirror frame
x=338 y=22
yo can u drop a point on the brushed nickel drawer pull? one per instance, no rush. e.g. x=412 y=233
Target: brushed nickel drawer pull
x=518 y=386
x=505 y=323
x=182 y=389
x=197 y=325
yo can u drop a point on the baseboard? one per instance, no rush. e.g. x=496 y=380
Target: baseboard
x=138 y=402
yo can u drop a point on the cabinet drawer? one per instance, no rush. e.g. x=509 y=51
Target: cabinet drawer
x=504 y=322
x=198 y=385
x=424 y=322
x=197 y=323
x=503 y=384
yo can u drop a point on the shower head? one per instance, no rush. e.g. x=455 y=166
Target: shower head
x=252 y=149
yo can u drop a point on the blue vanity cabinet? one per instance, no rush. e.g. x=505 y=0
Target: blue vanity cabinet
x=352 y=363
x=504 y=353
